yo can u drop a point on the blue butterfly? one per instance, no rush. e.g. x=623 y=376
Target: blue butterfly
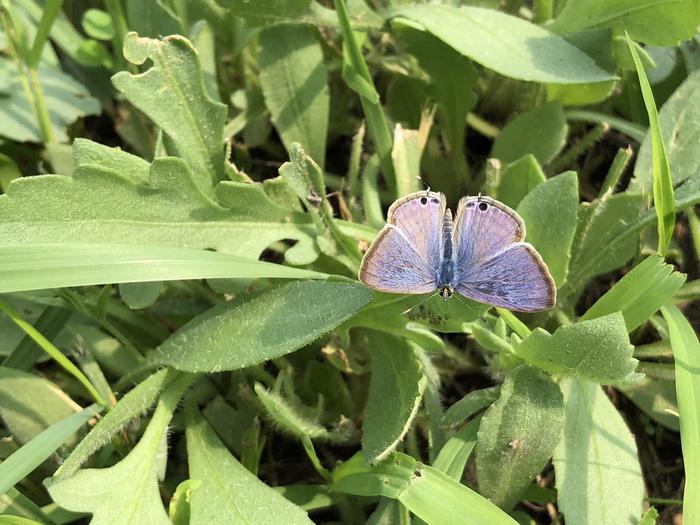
x=481 y=255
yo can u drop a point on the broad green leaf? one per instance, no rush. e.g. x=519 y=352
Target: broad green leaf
x=656 y=398
x=175 y=81
x=153 y=19
x=41 y=447
x=291 y=419
x=388 y=512
x=129 y=407
x=454 y=454
x=540 y=132
x=98 y=24
x=686 y=353
x=128 y=492
x=427 y=492
x=655 y=22
x=598 y=476
x=140 y=295
x=598 y=349
x=640 y=293
x=662 y=184
x=295 y=85
x=30 y=404
x=17 y=520
x=406 y=155
x=165 y=209
x=66 y=100
x=518 y=179
x=516 y=48
x=203 y=40
x=56 y=266
x=550 y=213
x=9 y=171
x=273 y=324
x=229 y=492
x=679 y=119
x=517 y=435
x=395 y=391
x=470 y=404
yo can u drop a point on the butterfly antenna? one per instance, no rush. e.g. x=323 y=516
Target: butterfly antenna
x=421 y=302
x=427 y=188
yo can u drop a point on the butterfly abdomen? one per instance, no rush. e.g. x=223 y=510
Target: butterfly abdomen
x=446 y=269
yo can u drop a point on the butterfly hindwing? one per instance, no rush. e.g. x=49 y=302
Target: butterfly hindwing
x=493 y=265
x=405 y=256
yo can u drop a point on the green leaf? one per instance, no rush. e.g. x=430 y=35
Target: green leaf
x=128 y=492
x=649 y=517
x=395 y=391
x=598 y=349
x=654 y=22
x=41 y=447
x=273 y=324
x=662 y=184
x=98 y=24
x=176 y=81
x=56 y=266
x=550 y=213
x=686 y=353
x=517 y=435
x=129 y=407
x=160 y=208
x=640 y=293
x=295 y=85
x=656 y=398
x=516 y=49
x=454 y=454
x=679 y=119
x=540 y=132
x=428 y=493
x=518 y=179
x=66 y=100
x=153 y=19
x=228 y=490
x=406 y=155
x=9 y=171
x=13 y=502
x=30 y=404
x=598 y=476
x=470 y=404
x=140 y=295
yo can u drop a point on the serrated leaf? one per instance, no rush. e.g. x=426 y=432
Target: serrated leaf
x=550 y=213
x=510 y=51
x=66 y=100
x=173 y=95
x=427 y=492
x=598 y=476
x=295 y=85
x=228 y=490
x=518 y=179
x=679 y=119
x=598 y=349
x=395 y=392
x=517 y=435
x=275 y=323
x=108 y=494
x=686 y=353
x=651 y=21
x=640 y=293
x=540 y=132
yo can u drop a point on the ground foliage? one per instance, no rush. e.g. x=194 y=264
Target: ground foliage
x=188 y=188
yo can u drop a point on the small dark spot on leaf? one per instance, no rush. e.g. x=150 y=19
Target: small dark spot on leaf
x=417 y=473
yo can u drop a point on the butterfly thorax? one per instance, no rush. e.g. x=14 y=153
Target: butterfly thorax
x=445 y=277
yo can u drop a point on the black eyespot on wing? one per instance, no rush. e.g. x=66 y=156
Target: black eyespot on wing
x=424 y=200
x=435 y=201
x=483 y=206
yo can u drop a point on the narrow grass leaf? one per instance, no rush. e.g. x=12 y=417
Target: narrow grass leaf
x=517 y=48
x=662 y=183
x=275 y=323
x=50 y=323
x=295 y=85
x=598 y=349
x=640 y=293
x=37 y=450
x=598 y=476
x=470 y=404
x=228 y=491
x=15 y=503
x=42 y=266
x=686 y=353
x=454 y=454
x=428 y=493
x=395 y=392
x=108 y=493
x=517 y=435
x=129 y=407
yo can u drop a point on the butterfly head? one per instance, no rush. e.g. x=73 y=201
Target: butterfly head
x=446 y=292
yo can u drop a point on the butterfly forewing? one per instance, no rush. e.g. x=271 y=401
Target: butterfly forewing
x=405 y=256
x=492 y=264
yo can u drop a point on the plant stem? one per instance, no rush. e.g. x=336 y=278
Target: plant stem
x=580 y=147
x=619 y=163
x=40 y=108
x=482 y=126
x=121 y=28
x=49 y=14
x=515 y=324
x=544 y=9
x=632 y=130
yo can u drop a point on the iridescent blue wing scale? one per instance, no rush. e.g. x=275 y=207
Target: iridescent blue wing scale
x=405 y=256
x=492 y=263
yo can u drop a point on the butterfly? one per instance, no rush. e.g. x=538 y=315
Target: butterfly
x=481 y=254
